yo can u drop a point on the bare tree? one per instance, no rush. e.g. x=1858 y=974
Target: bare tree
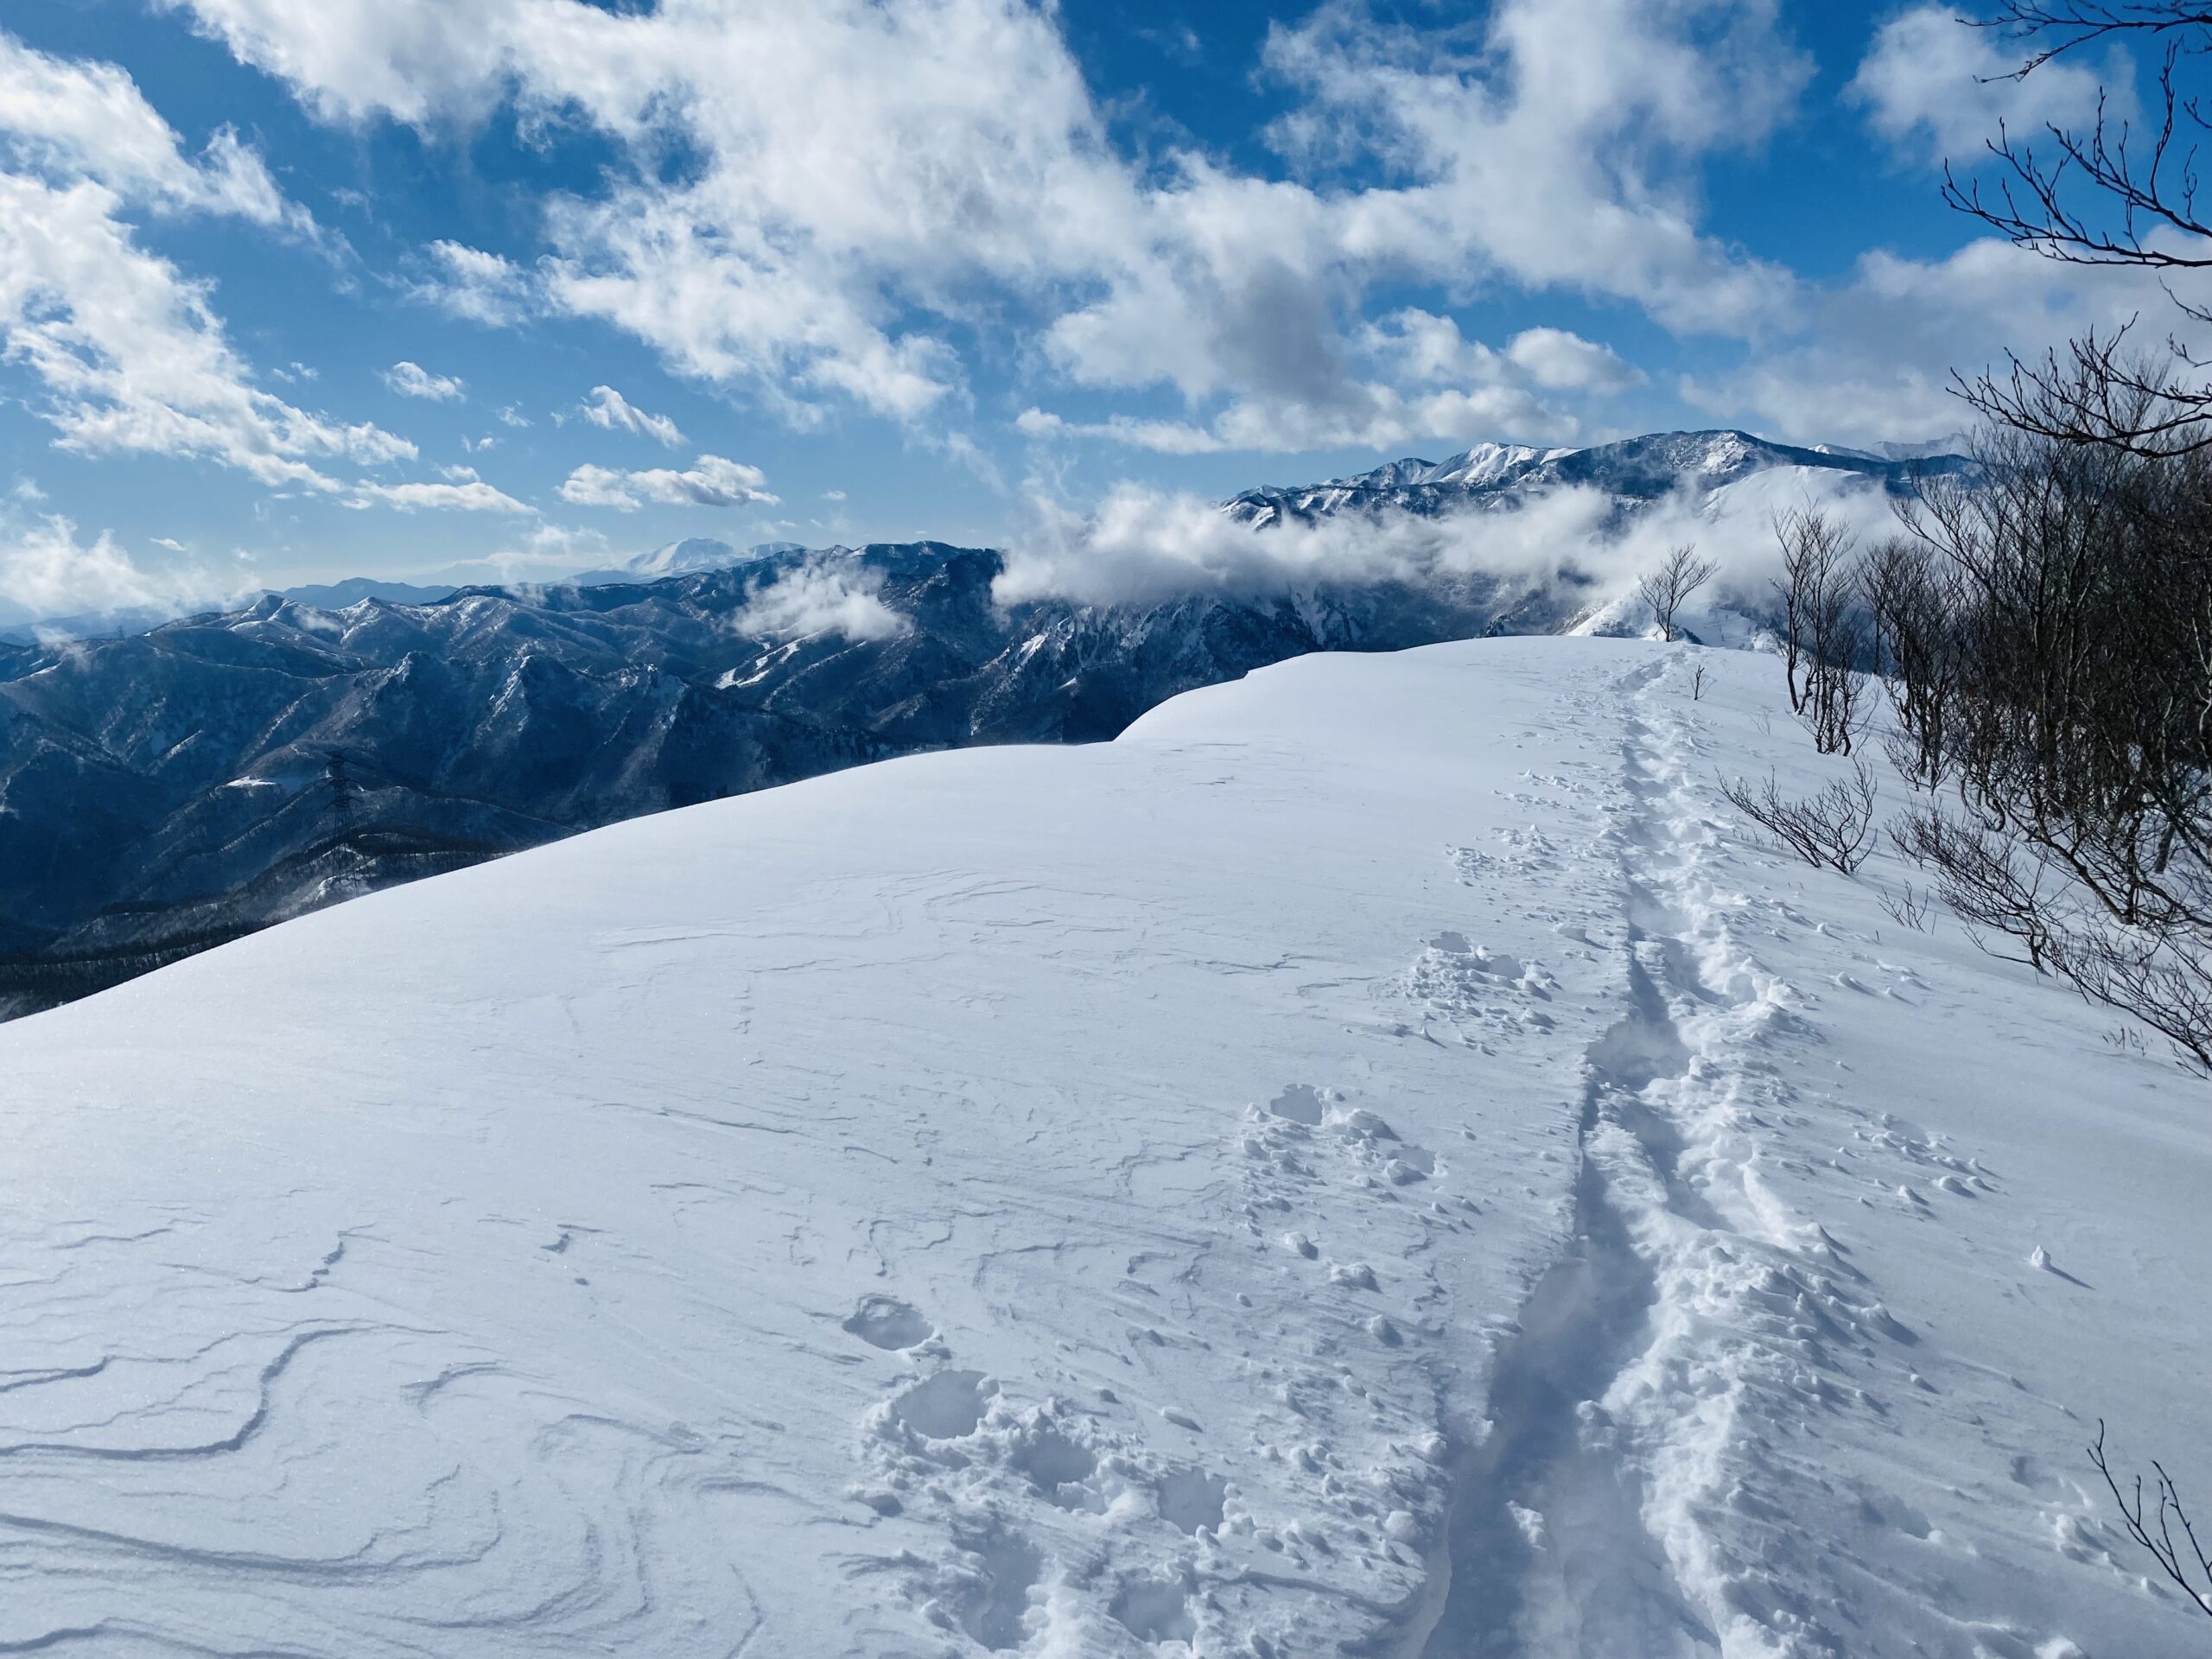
x=1909 y=598
x=1666 y=588
x=2052 y=639
x=1834 y=827
x=2110 y=193
x=1824 y=633
x=2182 y=1560
x=2048 y=624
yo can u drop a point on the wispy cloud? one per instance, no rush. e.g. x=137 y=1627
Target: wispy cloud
x=129 y=351
x=413 y=380
x=462 y=492
x=608 y=409
x=468 y=282
x=1142 y=544
x=46 y=571
x=830 y=594
x=711 y=481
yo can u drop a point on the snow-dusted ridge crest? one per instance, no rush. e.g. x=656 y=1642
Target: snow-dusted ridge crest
x=1372 y=1160
x=1640 y=469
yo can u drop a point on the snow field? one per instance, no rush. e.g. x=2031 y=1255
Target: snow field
x=1375 y=1160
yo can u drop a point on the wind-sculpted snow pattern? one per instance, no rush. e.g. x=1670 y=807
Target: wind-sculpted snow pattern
x=1374 y=1161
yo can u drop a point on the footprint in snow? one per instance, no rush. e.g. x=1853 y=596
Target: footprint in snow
x=1153 y=1610
x=1055 y=1463
x=1191 y=1499
x=946 y=1407
x=1402 y=1164
x=991 y=1598
x=887 y=1323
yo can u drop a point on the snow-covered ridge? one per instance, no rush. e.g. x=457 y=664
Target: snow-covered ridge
x=1500 y=476
x=1372 y=1160
x=164 y=791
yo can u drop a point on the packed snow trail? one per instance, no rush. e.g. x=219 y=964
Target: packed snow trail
x=1374 y=1161
x=1708 y=1367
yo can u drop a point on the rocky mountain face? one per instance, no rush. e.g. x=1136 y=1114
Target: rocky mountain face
x=168 y=790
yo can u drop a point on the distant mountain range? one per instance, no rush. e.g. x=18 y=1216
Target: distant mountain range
x=677 y=558
x=1634 y=472
x=174 y=787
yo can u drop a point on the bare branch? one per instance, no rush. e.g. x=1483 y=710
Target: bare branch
x=2051 y=29
x=1834 y=827
x=2184 y=1563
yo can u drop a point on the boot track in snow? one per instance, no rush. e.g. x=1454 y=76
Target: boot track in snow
x=1692 y=1308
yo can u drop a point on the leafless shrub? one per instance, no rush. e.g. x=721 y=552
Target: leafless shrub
x=1824 y=634
x=1982 y=878
x=2127 y=1039
x=1666 y=588
x=1834 y=827
x=1697 y=684
x=1909 y=906
x=2182 y=1560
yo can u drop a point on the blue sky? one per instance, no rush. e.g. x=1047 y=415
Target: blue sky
x=400 y=287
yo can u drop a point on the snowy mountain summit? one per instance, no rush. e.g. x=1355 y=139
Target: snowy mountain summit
x=688 y=557
x=1373 y=1160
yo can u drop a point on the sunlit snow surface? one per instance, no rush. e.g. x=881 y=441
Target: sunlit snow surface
x=1373 y=1161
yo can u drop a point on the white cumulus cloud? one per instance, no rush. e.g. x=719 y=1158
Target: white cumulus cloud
x=132 y=355
x=831 y=595
x=1938 y=89
x=824 y=260
x=129 y=350
x=1560 y=361
x=413 y=380
x=74 y=119
x=711 y=481
x=609 y=408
